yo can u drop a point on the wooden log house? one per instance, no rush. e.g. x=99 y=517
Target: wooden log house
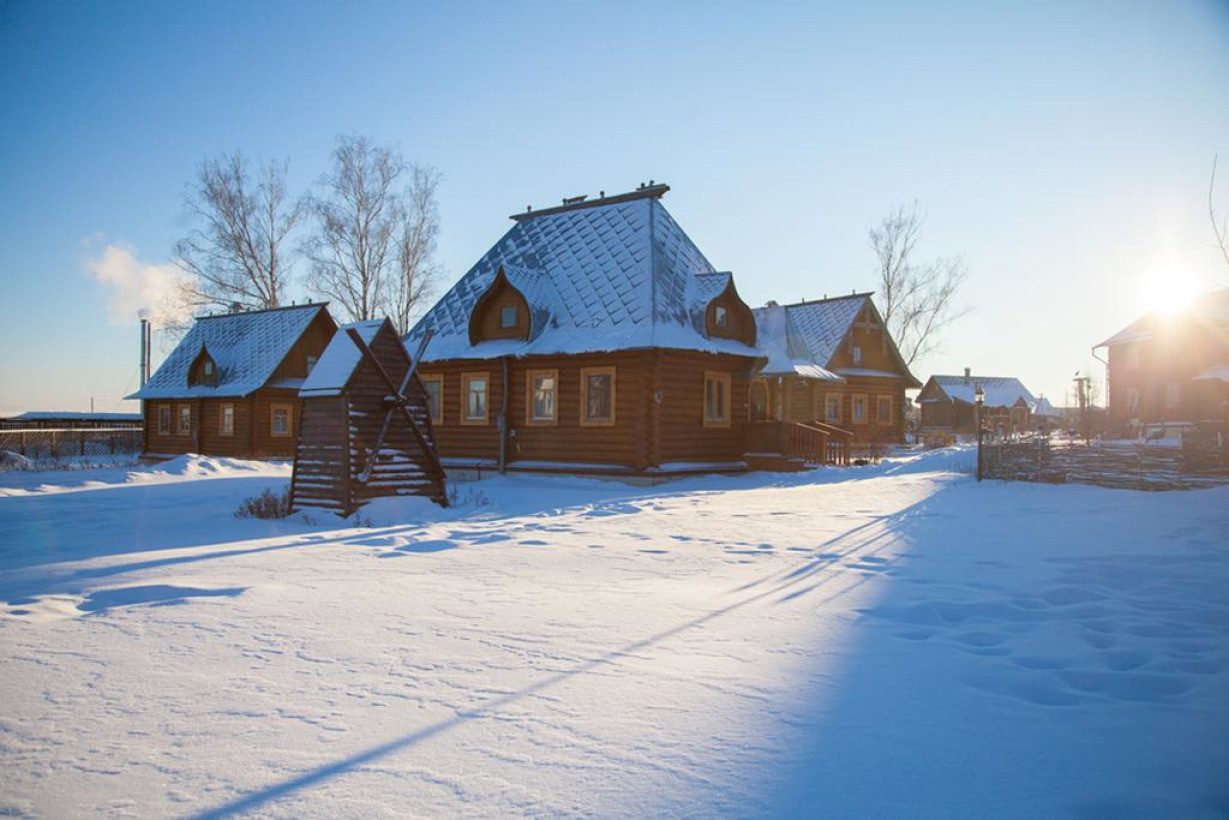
x=231 y=385
x=596 y=337
x=1171 y=369
x=948 y=410
x=366 y=427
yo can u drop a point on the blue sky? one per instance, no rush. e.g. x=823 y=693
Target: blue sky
x=1062 y=148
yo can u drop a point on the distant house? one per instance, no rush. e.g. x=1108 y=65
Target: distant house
x=1171 y=369
x=948 y=405
x=231 y=386
x=596 y=336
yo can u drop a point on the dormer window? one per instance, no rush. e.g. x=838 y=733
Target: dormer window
x=507 y=316
x=203 y=370
x=721 y=317
x=311 y=362
x=857 y=355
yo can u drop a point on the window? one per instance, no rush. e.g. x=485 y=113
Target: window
x=434 y=386
x=832 y=408
x=758 y=400
x=185 y=420
x=857 y=410
x=279 y=420
x=164 y=419
x=507 y=316
x=716 y=399
x=474 y=398
x=311 y=362
x=597 y=396
x=883 y=409
x=207 y=370
x=856 y=352
x=542 y=391
x=721 y=316
x=1133 y=400
x=226 y=420
x=1173 y=395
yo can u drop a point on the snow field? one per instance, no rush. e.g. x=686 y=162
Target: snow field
x=888 y=641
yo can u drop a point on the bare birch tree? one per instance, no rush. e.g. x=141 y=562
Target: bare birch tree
x=239 y=254
x=358 y=214
x=917 y=302
x=416 y=269
x=1220 y=225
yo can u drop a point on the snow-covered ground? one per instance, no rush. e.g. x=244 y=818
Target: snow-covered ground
x=887 y=641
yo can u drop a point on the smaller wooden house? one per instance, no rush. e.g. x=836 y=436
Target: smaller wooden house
x=948 y=405
x=366 y=426
x=231 y=385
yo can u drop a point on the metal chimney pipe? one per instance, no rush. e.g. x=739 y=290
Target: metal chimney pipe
x=145 y=338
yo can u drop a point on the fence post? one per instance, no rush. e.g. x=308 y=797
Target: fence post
x=81 y=443
x=22 y=434
x=55 y=450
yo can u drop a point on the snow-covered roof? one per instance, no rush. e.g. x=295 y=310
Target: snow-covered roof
x=1218 y=372
x=56 y=415
x=787 y=348
x=803 y=338
x=598 y=276
x=339 y=359
x=1001 y=391
x=246 y=349
x=1211 y=308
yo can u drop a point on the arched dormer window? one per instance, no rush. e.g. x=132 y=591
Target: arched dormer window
x=728 y=317
x=501 y=312
x=204 y=370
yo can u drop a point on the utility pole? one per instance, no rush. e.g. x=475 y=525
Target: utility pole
x=1081 y=392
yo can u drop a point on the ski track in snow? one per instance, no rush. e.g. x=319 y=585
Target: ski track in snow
x=896 y=640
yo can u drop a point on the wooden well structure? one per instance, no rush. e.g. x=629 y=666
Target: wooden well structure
x=366 y=425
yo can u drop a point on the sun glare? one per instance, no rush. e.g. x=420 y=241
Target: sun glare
x=1168 y=292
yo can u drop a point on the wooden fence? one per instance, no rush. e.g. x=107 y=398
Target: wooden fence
x=34 y=443
x=1128 y=465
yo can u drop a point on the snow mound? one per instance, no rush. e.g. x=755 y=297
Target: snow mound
x=192 y=465
x=14 y=461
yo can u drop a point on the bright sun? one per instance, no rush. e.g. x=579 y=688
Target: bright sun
x=1168 y=291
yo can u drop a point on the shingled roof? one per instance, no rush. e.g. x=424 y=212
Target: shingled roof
x=246 y=349
x=607 y=274
x=1210 y=308
x=1001 y=391
x=803 y=338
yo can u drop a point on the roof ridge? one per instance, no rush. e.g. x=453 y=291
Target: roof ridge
x=580 y=203
x=259 y=310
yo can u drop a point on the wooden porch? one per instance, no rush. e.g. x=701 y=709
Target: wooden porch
x=789 y=446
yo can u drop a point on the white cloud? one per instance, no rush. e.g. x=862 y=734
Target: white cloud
x=133 y=286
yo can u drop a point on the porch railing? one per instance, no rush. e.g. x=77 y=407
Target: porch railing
x=812 y=442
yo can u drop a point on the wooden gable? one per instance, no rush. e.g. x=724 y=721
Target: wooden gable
x=501 y=312
x=728 y=317
x=868 y=344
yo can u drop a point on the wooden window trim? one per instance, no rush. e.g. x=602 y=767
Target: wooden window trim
x=585 y=373
x=891 y=409
x=503 y=312
x=466 y=378
x=273 y=408
x=179 y=428
x=837 y=420
x=222 y=431
x=437 y=378
x=170 y=418
x=865 y=408
x=529 y=395
x=720 y=378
